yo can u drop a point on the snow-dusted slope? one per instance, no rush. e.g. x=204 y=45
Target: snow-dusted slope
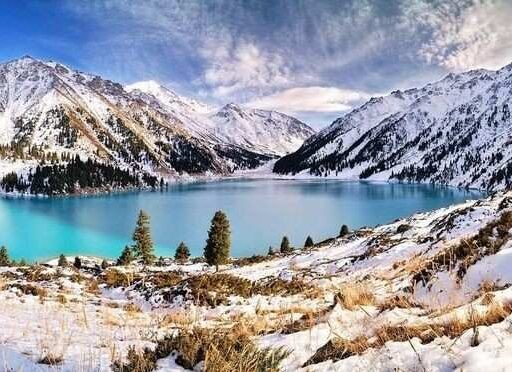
x=456 y=131
x=261 y=131
x=47 y=108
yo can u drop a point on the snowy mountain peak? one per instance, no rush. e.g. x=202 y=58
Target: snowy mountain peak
x=167 y=97
x=455 y=131
x=144 y=127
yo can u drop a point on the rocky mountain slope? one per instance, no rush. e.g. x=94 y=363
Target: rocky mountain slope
x=261 y=131
x=50 y=113
x=426 y=293
x=456 y=131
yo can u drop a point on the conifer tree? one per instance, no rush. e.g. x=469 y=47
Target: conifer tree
x=182 y=253
x=143 y=244
x=218 y=244
x=344 y=231
x=270 y=251
x=77 y=263
x=285 y=245
x=22 y=262
x=126 y=257
x=63 y=262
x=104 y=264
x=4 y=257
x=309 y=242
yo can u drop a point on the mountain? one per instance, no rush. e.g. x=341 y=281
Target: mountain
x=51 y=113
x=260 y=131
x=456 y=131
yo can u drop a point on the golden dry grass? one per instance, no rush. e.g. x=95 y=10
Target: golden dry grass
x=452 y=327
x=354 y=295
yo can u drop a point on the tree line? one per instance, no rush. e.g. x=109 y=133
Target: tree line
x=74 y=176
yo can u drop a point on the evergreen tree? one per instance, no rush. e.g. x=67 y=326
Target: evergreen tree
x=285 y=245
x=270 y=251
x=344 y=231
x=309 y=242
x=104 y=264
x=63 y=262
x=22 y=262
x=77 y=263
x=126 y=257
x=143 y=247
x=218 y=244
x=4 y=257
x=182 y=253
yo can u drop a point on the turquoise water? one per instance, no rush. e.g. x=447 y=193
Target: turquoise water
x=260 y=211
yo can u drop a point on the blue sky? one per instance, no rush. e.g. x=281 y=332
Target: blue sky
x=311 y=58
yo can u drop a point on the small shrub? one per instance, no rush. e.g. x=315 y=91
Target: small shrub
x=51 y=360
x=403 y=228
x=221 y=350
x=116 y=278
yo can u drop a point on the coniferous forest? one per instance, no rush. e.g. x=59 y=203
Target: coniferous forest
x=74 y=177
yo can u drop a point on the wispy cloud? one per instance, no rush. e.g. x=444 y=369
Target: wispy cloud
x=236 y=66
x=294 y=56
x=477 y=36
x=310 y=99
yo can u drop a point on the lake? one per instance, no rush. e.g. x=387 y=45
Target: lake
x=260 y=211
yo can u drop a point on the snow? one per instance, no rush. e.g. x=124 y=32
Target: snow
x=91 y=329
x=457 y=128
x=112 y=121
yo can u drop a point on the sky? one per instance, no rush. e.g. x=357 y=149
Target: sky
x=313 y=59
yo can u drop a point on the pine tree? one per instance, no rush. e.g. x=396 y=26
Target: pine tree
x=4 y=257
x=126 y=257
x=182 y=253
x=344 y=231
x=143 y=247
x=218 y=244
x=270 y=251
x=63 y=262
x=285 y=245
x=22 y=262
x=104 y=264
x=77 y=263
x=309 y=242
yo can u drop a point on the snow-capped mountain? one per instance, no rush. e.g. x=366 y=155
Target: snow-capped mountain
x=46 y=107
x=456 y=131
x=261 y=131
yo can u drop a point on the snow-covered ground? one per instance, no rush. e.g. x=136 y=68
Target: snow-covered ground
x=362 y=290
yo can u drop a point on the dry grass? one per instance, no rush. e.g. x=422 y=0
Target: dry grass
x=132 y=308
x=221 y=350
x=452 y=327
x=115 y=278
x=398 y=301
x=215 y=289
x=487 y=241
x=354 y=295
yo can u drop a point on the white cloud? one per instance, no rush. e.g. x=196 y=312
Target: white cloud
x=310 y=99
x=479 y=37
x=234 y=66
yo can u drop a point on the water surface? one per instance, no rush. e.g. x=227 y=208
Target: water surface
x=260 y=211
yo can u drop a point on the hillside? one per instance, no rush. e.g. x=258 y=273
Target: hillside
x=457 y=131
x=50 y=114
x=430 y=292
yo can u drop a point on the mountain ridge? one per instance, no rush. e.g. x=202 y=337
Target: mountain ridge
x=455 y=131
x=47 y=108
